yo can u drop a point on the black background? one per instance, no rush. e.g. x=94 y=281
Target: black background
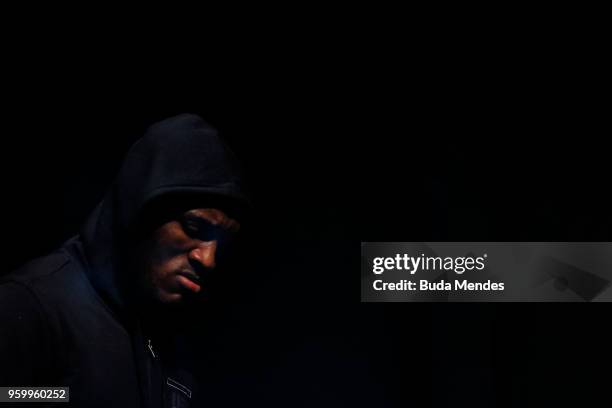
x=344 y=142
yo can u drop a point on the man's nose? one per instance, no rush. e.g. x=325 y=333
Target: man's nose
x=204 y=254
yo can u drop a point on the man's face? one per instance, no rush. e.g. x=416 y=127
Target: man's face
x=181 y=252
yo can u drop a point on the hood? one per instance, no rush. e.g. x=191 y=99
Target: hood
x=181 y=155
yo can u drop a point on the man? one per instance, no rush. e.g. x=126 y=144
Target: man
x=100 y=315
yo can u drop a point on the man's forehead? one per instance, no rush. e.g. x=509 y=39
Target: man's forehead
x=178 y=206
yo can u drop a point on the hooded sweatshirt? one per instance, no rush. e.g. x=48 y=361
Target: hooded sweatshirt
x=71 y=318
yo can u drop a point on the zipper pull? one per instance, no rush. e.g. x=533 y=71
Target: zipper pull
x=150 y=346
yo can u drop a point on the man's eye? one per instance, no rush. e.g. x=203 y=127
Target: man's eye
x=191 y=226
x=198 y=230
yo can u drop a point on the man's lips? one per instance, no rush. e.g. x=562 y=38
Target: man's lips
x=189 y=281
x=190 y=275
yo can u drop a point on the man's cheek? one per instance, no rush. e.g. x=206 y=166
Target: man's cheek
x=167 y=270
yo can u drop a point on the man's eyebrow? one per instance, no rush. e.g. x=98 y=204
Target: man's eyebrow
x=228 y=224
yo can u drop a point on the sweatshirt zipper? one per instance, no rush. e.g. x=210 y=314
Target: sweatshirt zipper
x=154 y=377
x=150 y=346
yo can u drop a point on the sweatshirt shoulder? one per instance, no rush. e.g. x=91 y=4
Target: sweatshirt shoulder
x=31 y=310
x=50 y=277
x=39 y=269
x=57 y=283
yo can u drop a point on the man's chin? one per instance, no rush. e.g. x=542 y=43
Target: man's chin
x=177 y=298
x=169 y=297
